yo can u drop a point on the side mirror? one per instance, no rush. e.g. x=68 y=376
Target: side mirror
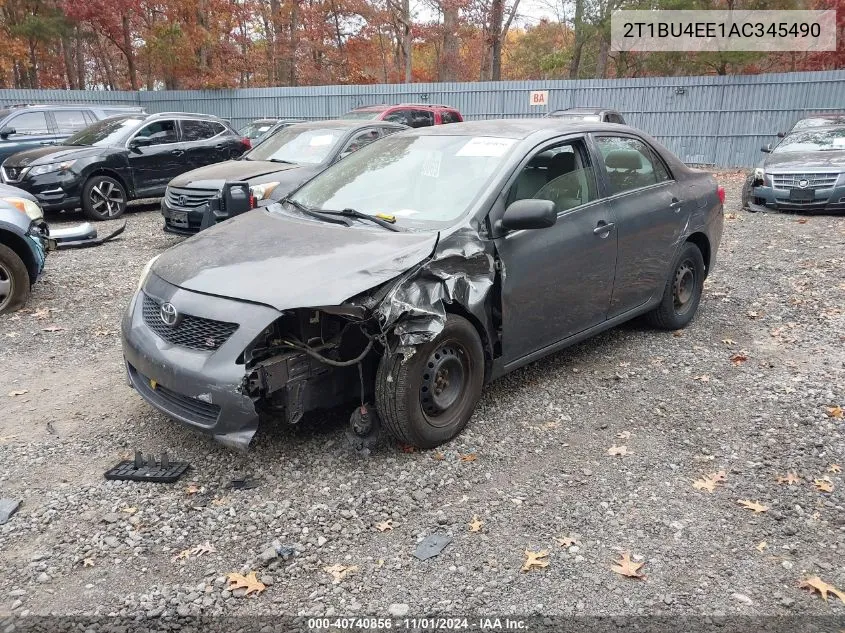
x=139 y=141
x=7 y=131
x=529 y=214
x=781 y=134
x=766 y=149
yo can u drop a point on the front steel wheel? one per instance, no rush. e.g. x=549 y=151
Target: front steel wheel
x=682 y=292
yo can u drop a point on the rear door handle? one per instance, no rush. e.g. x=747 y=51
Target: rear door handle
x=676 y=204
x=177 y=152
x=219 y=146
x=603 y=228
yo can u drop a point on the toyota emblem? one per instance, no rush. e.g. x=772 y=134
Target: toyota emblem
x=803 y=183
x=168 y=314
x=182 y=199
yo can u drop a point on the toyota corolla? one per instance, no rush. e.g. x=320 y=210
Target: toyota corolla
x=408 y=275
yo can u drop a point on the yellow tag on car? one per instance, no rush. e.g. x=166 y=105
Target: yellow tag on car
x=153 y=383
x=386 y=217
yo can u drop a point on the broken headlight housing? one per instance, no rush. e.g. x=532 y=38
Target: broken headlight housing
x=759 y=175
x=30 y=208
x=262 y=191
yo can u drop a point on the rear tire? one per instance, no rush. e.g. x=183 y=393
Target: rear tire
x=428 y=399
x=682 y=292
x=14 y=281
x=103 y=198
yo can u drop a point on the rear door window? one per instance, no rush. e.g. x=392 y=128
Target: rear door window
x=422 y=118
x=630 y=164
x=448 y=116
x=159 y=132
x=69 y=121
x=194 y=130
x=399 y=116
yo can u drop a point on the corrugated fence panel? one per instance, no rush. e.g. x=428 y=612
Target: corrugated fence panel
x=717 y=120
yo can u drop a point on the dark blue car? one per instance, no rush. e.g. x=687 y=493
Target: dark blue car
x=23 y=244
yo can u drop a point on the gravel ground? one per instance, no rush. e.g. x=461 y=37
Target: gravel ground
x=532 y=467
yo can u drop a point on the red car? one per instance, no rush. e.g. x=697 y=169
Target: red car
x=410 y=114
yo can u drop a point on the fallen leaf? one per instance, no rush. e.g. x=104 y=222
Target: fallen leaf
x=761 y=546
x=731 y=216
x=471 y=457
x=18 y=392
x=52 y=328
x=438 y=457
x=205 y=548
x=219 y=501
x=339 y=572
x=192 y=489
x=835 y=412
x=834 y=468
x=627 y=567
x=728 y=341
x=475 y=525
x=752 y=314
x=791 y=478
x=823 y=485
x=385 y=526
x=624 y=435
x=738 y=359
x=752 y=505
x=719 y=476
x=801 y=221
x=817 y=584
x=185 y=553
x=705 y=483
x=617 y=450
x=678 y=333
x=87 y=562
x=568 y=541
x=702 y=378
x=407 y=448
x=129 y=510
x=535 y=560
x=41 y=313
x=249 y=582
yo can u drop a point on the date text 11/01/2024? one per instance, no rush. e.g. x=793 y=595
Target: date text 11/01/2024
x=418 y=624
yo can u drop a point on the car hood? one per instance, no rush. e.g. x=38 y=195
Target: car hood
x=54 y=154
x=285 y=262
x=806 y=161
x=7 y=191
x=214 y=176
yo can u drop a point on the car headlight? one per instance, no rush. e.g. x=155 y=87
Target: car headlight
x=38 y=170
x=26 y=206
x=146 y=272
x=262 y=191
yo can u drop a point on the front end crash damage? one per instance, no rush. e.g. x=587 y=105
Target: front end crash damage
x=314 y=358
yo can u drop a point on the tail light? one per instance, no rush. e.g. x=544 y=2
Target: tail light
x=721 y=192
x=246 y=143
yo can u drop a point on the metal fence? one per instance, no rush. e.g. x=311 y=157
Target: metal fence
x=714 y=120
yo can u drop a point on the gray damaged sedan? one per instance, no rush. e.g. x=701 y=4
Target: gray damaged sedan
x=416 y=270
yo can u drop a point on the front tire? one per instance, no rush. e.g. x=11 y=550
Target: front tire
x=14 y=281
x=103 y=198
x=682 y=292
x=428 y=399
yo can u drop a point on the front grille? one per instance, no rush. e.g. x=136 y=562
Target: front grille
x=14 y=174
x=189 y=408
x=190 y=331
x=814 y=181
x=188 y=198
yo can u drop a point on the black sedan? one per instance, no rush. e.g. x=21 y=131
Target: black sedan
x=121 y=158
x=418 y=269
x=273 y=169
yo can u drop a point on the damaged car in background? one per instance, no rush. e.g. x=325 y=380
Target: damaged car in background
x=408 y=275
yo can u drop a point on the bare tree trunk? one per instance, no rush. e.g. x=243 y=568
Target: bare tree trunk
x=294 y=42
x=67 y=58
x=33 y=64
x=107 y=69
x=407 y=38
x=575 y=63
x=601 y=61
x=128 y=51
x=80 y=61
x=447 y=69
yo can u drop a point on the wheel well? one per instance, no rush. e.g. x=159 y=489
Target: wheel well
x=700 y=240
x=459 y=310
x=102 y=171
x=17 y=244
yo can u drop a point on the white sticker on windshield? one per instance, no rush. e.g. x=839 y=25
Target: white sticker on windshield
x=486 y=146
x=839 y=141
x=403 y=213
x=431 y=166
x=325 y=139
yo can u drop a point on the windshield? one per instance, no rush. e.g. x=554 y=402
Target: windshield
x=423 y=181
x=803 y=124
x=818 y=140
x=308 y=146
x=365 y=115
x=105 y=133
x=256 y=129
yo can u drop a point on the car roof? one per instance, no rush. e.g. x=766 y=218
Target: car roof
x=586 y=110
x=381 y=107
x=73 y=106
x=519 y=128
x=348 y=123
x=184 y=115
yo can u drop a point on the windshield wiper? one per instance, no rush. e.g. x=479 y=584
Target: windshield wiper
x=320 y=215
x=279 y=160
x=354 y=213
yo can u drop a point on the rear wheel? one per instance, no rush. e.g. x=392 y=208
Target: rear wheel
x=14 y=281
x=682 y=292
x=103 y=198
x=428 y=399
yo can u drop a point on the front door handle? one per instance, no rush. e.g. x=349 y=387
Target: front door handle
x=603 y=228
x=676 y=204
x=177 y=152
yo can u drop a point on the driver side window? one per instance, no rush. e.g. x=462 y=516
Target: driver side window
x=358 y=141
x=561 y=173
x=159 y=132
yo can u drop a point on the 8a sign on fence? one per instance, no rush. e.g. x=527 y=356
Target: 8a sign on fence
x=539 y=97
